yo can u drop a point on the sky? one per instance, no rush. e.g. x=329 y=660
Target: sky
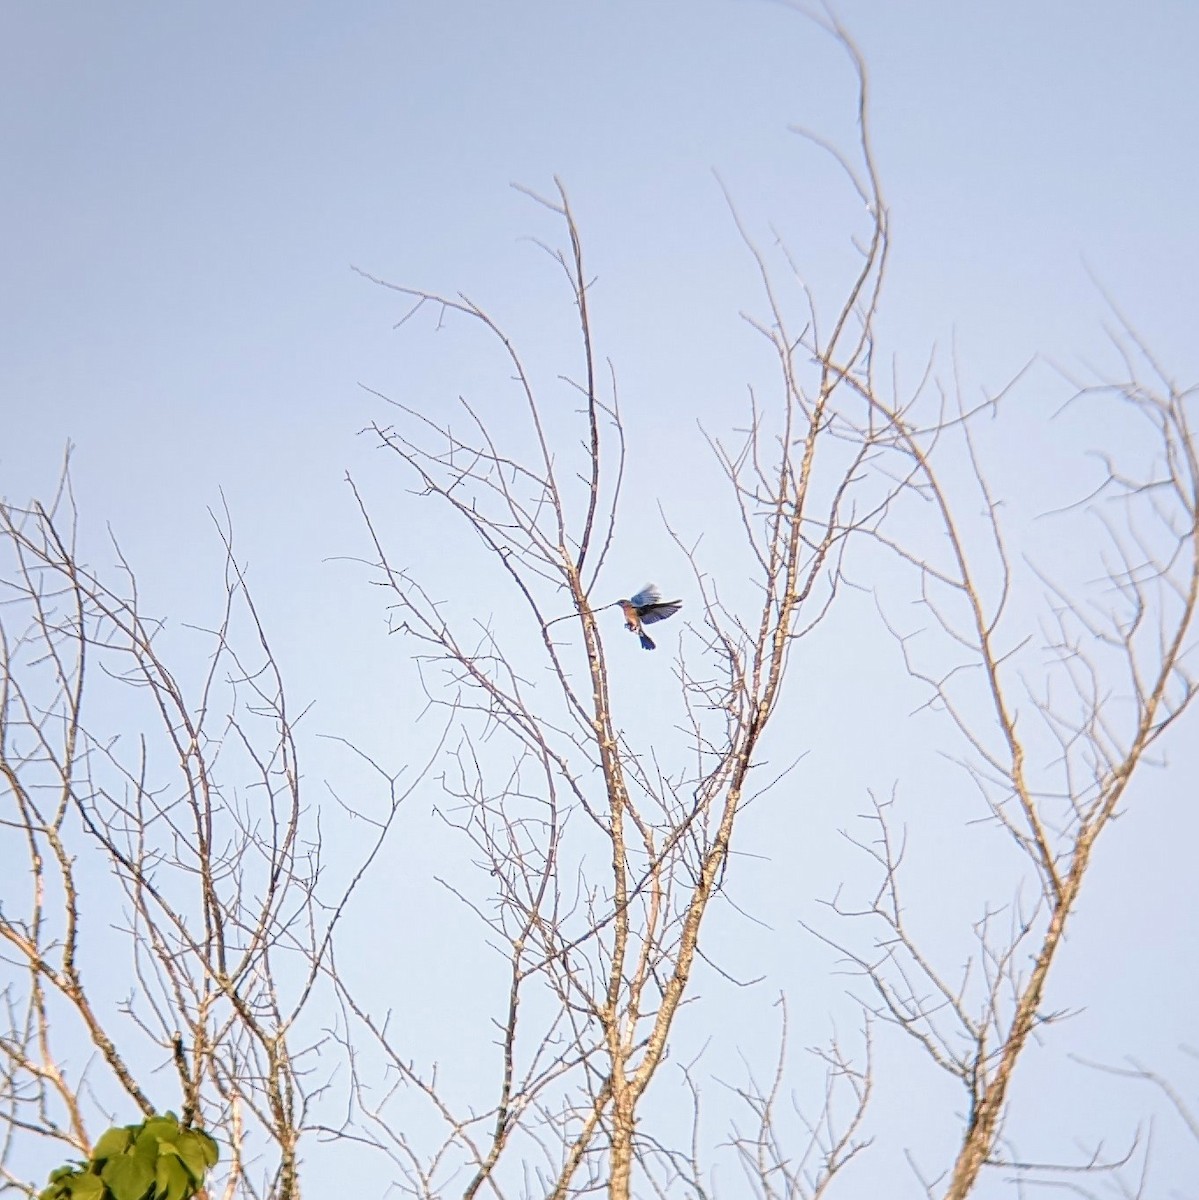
x=192 y=193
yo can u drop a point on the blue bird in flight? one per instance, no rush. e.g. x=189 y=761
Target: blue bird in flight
x=644 y=608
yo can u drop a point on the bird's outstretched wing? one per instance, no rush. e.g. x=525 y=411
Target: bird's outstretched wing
x=648 y=595
x=660 y=611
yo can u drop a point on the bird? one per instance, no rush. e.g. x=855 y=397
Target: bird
x=644 y=608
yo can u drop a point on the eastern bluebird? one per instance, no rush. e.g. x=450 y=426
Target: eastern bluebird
x=646 y=607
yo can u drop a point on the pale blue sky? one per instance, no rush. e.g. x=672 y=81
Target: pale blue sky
x=185 y=189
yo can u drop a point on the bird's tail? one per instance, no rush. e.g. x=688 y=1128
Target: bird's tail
x=646 y=641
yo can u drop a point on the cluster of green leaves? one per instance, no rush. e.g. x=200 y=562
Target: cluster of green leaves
x=157 y=1160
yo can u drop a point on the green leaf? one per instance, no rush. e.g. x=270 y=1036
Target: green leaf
x=69 y=1181
x=171 y=1179
x=129 y=1177
x=114 y=1142
x=161 y=1129
x=155 y=1134
x=198 y=1152
x=87 y=1187
x=212 y=1151
x=145 y=1148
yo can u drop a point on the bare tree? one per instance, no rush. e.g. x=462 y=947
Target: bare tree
x=168 y=933
x=607 y=860
x=1054 y=719
x=607 y=863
